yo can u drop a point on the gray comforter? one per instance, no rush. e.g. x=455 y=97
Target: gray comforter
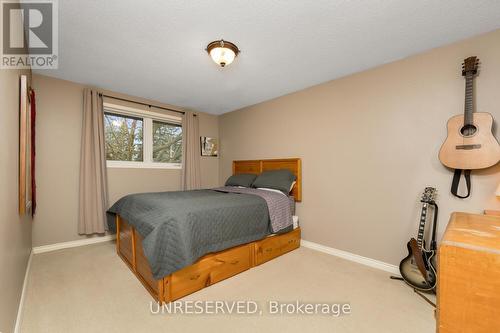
x=180 y=227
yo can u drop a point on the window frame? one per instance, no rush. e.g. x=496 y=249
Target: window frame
x=147 y=141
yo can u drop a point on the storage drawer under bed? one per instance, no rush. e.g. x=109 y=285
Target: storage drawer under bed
x=208 y=270
x=276 y=245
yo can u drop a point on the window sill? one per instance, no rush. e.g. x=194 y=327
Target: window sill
x=142 y=165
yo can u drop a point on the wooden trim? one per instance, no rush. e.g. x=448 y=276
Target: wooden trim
x=258 y=166
x=134 y=252
x=252 y=250
x=120 y=224
x=23 y=137
x=492 y=212
x=160 y=291
x=117 y=221
x=211 y=268
x=298 y=185
x=167 y=291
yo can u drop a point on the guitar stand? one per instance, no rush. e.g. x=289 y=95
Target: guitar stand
x=425 y=297
x=419 y=293
x=396 y=278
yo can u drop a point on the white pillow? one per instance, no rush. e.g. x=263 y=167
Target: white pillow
x=277 y=191
x=271 y=190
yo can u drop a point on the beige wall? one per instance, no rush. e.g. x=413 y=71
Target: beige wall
x=15 y=232
x=369 y=144
x=59 y=105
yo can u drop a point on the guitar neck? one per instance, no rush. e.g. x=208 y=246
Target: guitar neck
x=421 y=227
x=469 y=99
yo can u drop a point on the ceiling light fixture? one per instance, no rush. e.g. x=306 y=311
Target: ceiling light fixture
x=222 y=52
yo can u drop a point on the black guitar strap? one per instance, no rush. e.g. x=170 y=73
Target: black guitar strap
x=456 y=181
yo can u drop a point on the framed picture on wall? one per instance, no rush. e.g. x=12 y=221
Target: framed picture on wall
x=24 y=147
x=209 y=146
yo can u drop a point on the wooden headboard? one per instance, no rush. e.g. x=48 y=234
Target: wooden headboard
x=257 y=166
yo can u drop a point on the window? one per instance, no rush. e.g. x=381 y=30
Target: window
x=141 y=139
x=124 y=138
x=167 y=142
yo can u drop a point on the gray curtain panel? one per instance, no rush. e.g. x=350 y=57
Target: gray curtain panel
x=93 y=178
x=190 y=152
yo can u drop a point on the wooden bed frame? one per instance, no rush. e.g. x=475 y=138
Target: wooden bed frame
x=217 y=266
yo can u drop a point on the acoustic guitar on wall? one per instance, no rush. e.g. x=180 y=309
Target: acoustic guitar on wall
x=470 y=143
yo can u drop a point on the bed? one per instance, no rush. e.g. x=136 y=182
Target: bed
x=170 y=276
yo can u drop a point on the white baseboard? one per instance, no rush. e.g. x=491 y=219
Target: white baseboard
x=352 y=257
x=19 y=317
x=76 y=243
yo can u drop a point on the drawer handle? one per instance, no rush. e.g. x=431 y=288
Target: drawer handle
x=195 y=277
x=234 y=262
x=269 y=250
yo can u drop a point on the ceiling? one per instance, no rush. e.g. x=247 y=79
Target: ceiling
x=155 y=49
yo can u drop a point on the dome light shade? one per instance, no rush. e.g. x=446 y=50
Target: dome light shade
x=222 y=52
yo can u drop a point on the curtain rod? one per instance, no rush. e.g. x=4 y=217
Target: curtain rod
x=150 y=105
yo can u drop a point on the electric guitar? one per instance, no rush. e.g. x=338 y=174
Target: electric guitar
x=470 y=143
x=418 y=269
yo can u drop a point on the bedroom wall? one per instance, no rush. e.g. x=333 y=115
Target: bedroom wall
x=369 y=144
x=59 y=107
x=15 y=231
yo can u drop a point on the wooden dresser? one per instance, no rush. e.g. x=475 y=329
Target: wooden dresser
x=469 y=275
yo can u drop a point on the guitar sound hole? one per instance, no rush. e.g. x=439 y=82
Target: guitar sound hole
x=468 y=130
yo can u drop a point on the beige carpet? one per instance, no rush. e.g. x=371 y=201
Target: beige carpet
x=89 y=289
